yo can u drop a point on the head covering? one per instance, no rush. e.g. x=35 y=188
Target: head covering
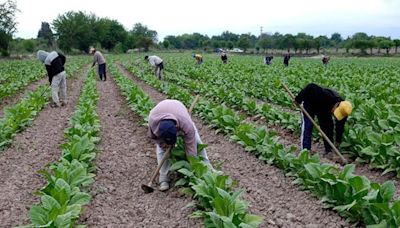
x=92 y=50
x=42 y=55
x=343 y=110
x=168 y=131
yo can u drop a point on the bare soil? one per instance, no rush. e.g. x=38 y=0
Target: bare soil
x=269 y=193
x=13 y=99
x=30 y=151
x=126 y=160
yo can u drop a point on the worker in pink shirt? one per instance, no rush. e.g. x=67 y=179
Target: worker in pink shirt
x=167 y=120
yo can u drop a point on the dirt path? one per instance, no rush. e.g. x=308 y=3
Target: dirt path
x=13 y=99
x=126 y=159
x=30 y=151
x=269 y=193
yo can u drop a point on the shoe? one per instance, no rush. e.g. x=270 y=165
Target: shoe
x=164 y=186
x=54 y=105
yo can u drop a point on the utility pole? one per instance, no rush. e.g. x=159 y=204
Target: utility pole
x=261 y=31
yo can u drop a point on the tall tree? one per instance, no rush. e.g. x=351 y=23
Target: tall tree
x=109 y=33
x=143 y=37
x=396 y=43
x=361 y=41
x=75 y=30
x=336 y=40
x=244 y=43
x=286 y=42
x=321 y=41
x=8 y=24
x=46 y=34
x=385 y=43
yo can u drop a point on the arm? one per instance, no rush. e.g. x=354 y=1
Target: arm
x=339 y=125
x=94 y=60
x=48 y=69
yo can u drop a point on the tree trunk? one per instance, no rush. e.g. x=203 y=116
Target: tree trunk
x=387 y=51
x=395 y=50
x=370 y=49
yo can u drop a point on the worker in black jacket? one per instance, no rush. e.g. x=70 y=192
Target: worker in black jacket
x=322 y=102
x=54 y=63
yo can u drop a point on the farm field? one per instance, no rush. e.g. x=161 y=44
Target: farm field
x=100 y=153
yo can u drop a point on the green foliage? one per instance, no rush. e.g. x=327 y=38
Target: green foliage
x=62 y=198
x=353 y=196
x=218 y=205
x=8 y=24
x=21 y=115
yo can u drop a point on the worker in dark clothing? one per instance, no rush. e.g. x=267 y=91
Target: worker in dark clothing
x=268 y=59
x=286 y=60
x=54 y=63
x=224 y=58
x=322 y=102
x=325 y=60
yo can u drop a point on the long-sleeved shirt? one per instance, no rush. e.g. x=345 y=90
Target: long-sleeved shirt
x=154 y=60
x=54 y=63
x=320 y=101
x=98 y=58
x=175 y=110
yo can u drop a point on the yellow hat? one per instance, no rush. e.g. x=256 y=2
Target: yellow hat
x=343 y=110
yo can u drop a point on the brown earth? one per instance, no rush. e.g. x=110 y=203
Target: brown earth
x=126 y=160
x=30 y=151
x=268 y=192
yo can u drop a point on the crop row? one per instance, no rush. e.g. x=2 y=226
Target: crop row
x=219 y=205
x=63 y=197
x=16 y=75
x=353 y=196
x=373 y=135
x=21 y=115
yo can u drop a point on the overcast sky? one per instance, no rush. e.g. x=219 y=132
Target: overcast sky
x=212 y=17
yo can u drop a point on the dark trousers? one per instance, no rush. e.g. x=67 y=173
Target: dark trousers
x=326 y=124
x=102 y=71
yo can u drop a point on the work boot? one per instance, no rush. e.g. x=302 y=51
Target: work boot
x=164 y=186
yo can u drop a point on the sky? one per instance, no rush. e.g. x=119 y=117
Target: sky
x=212 y=17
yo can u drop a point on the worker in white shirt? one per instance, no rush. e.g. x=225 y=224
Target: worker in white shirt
x=157 y=63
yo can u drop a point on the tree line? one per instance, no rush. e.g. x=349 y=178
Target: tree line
x=77 y=31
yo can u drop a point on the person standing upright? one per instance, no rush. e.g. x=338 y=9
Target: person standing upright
x=101 y=61
x=54 y=63
x=286 y=59
x=224 y=58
